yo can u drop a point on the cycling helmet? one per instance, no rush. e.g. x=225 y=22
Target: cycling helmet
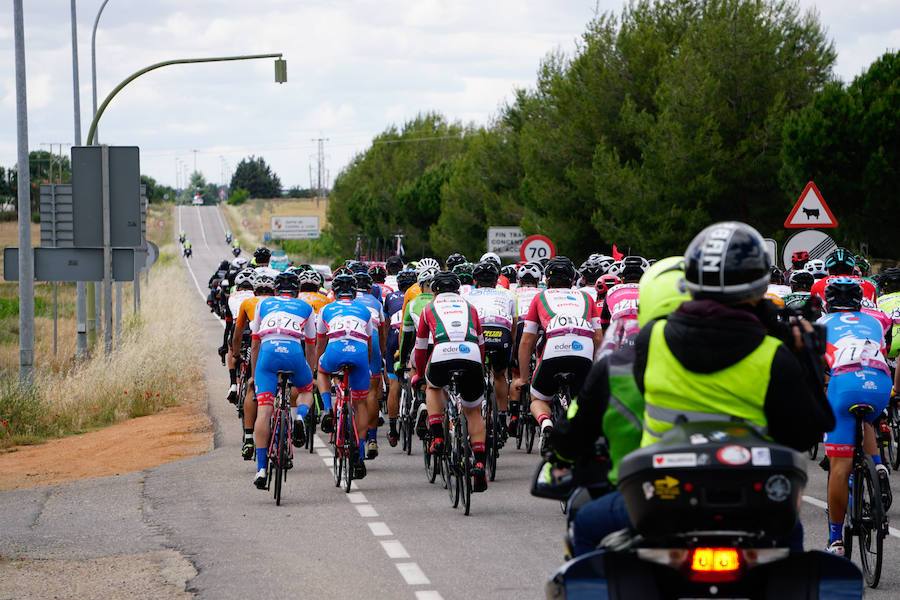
x=464 y=272
x=776 y=276
x=605 y=283
x=426 y=276
x=262 y=255
x=530 y=272
x=308 y=278
x=344 y=286
x=455 y=259
x=889 y=279
x=662 y=289
x=840 y=262
x=264 y=283
x=378 y=273
x=357 y=266
x=240 y=262
x=445 y=281
x=560 y=272
x=865 y=268
x=405 y=279
x=224 y=265
x=727 y=262
x=486 y=273
x=843 y=294
x=816 y=266
x=591 y=270
x=602 y=260
x=287 y=283
x=509 y=271
x=394 y=264
x=342 y=271
x=632 y=269
x=428 y=263
x=615 y=268
x=491 y=256
x=363 y=282
x=245 y=278
x=802 y=281
x=799 y=258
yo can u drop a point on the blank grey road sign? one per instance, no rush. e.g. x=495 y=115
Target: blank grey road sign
x=124 y=193
x=70 y=264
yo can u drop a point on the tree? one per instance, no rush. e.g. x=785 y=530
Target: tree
x=255 y=176
x=156 y=192
x=846 y=141
x=299 y=192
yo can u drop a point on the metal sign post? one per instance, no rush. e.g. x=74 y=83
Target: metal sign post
x=107 y=250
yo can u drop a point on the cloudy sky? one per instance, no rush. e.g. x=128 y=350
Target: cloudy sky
x=354 y=68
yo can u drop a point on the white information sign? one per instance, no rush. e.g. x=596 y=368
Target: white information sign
x=295 y=228
x=505 y=241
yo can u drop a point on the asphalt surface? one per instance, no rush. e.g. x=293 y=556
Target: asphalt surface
x=200 y=524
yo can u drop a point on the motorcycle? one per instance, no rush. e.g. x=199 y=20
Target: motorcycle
x=181 y=238
x=712 y=507
x=236 y=251
x=188 y=252
x=228 y=238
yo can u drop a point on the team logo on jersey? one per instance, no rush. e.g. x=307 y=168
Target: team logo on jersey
x=348 y=348
x=577 y=346
x=456 y=324
x=849 y=318
x=464 y=349
x=572 y=298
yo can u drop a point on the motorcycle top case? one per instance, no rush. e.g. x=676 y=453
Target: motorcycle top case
x=713 y=476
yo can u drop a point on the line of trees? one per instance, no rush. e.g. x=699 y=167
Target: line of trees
x=668 y=116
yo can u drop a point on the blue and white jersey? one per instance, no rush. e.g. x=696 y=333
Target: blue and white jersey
x=855 y=340
x=282 y=318
x=376 y=310
x=345 y=320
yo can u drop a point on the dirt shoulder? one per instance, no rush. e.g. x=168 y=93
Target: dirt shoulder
x=132 y=445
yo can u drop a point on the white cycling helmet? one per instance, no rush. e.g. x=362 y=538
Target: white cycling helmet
x=491 y=256
x=531 y=269
x=245 y=276
x=264 y=282
x=614 y=268
x=240 y=262
x=602 y=260
x=426 y=275
x=308 y=276
x=428 y=263
x=816 y=266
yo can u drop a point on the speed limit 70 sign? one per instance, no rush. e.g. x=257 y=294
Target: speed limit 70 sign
x=536 y=247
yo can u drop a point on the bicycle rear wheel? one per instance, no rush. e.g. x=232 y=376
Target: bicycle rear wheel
x=351 y=449
x=281 y=434
x=895 y=434
x=465 y=464
x=868 y=513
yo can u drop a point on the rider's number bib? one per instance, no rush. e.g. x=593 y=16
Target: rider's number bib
x=347 y=327
x=853 y=352
x=569 y=336
x=281 y=322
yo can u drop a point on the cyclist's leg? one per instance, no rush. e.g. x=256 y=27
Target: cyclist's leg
x=393 y=400
x=437 y=377
x=842 y=394
x=543 y=387
x=267 y=366
x=328 y=364
x=359 y=383
x=301 y=393
x=373 y=400
x=471 y=391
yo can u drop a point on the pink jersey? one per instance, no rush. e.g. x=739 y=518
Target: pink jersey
x=568 y=317
x=885 y=320
x=622 y=301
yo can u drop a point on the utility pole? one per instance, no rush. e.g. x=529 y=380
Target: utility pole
x=195 y=161
x=26 y=257
x=320 y=176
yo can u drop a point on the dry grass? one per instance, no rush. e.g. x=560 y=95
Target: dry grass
x=254 y=217
x=156 y=365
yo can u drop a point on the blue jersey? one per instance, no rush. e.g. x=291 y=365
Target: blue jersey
x=855 y=341
x=284 y=318
x=393 y=309
x=375 y=308
x=345 y=320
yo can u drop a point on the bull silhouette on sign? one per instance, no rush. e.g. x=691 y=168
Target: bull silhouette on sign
x=810 y=213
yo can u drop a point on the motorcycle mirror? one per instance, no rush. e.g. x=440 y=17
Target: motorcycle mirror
x=552 y=483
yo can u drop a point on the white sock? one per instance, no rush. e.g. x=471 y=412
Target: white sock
x=547 y=423
x=294 y=412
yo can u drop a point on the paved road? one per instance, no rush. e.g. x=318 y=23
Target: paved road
x=201 y=520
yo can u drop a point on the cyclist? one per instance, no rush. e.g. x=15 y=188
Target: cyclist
x=411 y=314
x=449 y=339
x=604 y=284
x=345 y=339
x=455 y=259
x=236 y=248
x=841 y=263
x=280 y=326
x=263 y=286
x=376 y=367
x=497 y=314
x=777 y=288
x=889 y=302
x=571 y=323
x=393 y=310
x=590 y=272
x=243 y=283
x=394 y=264
x=493 y=257
x=620 y=307
x=212 y=300
x=801 y=282
x=859 y=375
x=798 y=262
x=466 y=279
x=415 y=290
x=379 y=274
x=528 y=277
x=310 y=290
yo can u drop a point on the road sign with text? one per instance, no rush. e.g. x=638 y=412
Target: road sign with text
x=536 y=247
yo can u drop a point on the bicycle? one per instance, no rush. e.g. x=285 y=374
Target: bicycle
x=345 y=438
x=491 y=425
x=312 y=420
x=865 y=517
x=888 y=431
x=433 y=465
x=409 y=403
x=280 y=450
x=457 y=456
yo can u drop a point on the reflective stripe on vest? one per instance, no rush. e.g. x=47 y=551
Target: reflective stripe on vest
x=671 y=390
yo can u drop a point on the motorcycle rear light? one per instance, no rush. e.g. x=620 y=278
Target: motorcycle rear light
x=715 y=564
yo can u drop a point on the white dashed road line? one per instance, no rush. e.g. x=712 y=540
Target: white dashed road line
x=824 y=505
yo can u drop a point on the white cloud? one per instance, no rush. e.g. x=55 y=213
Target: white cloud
x=355 y=67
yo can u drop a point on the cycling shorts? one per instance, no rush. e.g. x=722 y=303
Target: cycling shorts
x=391 y=347
x=280 y=355
x=471 y=388
x=498 y=346
x=867 y=386
x=543 y=382
x=352 y=354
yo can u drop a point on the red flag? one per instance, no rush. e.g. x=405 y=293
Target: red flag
x=616 y=254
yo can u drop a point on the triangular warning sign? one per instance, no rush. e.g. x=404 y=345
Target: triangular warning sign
x=810 y=211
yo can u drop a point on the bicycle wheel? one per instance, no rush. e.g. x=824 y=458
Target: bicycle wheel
x=281 y=433
x=869 y=516
x=337 y=451
x=895 y=434
x=491 y=449
x=530 y=432
x=352 y=451
x=310 y=424
x=465 y=464
x=813 y=451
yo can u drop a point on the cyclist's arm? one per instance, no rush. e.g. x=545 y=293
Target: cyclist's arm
x=421 y=353
x=322 y=335
x=407 y=336
x=239 y=325
x=526 y=349
x=309 y=331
